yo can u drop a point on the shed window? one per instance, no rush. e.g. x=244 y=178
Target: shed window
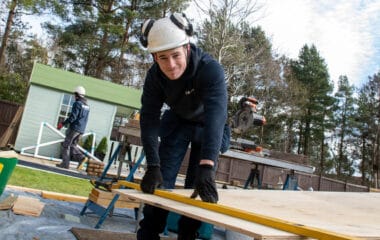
x=65 y=108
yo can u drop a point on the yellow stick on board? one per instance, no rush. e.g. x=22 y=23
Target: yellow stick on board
x=286 y=226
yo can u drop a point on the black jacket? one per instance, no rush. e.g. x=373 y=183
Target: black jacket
x=199 y=96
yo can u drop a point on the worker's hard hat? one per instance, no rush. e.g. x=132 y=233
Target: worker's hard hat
x=166 y=33
x=80 y=90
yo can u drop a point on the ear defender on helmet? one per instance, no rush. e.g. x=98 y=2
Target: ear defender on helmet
x=166 y=33
x=146 y=26
x=181 y=21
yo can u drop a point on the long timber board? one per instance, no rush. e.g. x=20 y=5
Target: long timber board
x=347 y=213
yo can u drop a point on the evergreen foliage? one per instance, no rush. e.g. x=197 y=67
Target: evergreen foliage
x=101 y=149
x=345 y=128
x=87 y=144
x=368 y=135
x=339 y=132
x=12 y=87
x=311 y=72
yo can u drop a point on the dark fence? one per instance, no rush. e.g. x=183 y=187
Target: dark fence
x=10 y=116
x=236 y=171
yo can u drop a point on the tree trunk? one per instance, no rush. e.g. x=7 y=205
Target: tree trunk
x=363 y=163
x=7 y=31
x=306 y=134
x=376 y=160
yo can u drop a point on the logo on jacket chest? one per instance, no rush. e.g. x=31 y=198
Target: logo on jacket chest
x=188 y=92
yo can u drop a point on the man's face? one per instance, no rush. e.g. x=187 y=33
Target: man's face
x=172 y=62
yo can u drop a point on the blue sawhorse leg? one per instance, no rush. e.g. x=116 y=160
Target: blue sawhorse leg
x=129 y=178
x=99 y=210
x=96 y=208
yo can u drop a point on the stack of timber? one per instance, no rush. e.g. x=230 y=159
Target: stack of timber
x=104 y=198
x=94 y=168
x=28 y=206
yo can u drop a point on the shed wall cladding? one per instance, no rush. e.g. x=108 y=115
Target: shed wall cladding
x=43 y=105
x=101 y=120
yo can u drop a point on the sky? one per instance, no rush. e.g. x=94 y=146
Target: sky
x=345 y=32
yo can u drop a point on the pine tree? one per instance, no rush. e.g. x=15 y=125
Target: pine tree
x=345 y=128
x=311 y=71
x=368 y=117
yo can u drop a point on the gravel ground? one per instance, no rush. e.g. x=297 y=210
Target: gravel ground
x=58 y=217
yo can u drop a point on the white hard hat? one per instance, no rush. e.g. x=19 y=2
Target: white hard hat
x=80 y=90
x=166 y=33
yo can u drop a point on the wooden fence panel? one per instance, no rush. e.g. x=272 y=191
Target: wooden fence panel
x=10 y=116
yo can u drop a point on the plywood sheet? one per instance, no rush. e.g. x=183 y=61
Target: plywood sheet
x=354 y=214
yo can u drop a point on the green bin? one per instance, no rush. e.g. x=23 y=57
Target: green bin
x=8 y=161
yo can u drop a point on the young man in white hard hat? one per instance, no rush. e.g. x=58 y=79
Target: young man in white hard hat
x=76 y=123
x=191 y=83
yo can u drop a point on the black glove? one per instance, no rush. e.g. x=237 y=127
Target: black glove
x=151 y=180
x=205 y=184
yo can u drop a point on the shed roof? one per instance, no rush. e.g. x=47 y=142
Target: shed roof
x=102 y=90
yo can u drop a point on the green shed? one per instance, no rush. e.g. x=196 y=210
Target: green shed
x=50 y=98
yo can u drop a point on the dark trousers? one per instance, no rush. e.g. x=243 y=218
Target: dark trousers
x=254 y=174
x=70 y=149
x=172 y=151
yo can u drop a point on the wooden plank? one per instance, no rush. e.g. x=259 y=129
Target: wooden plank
x=8 y=202
x=8 y=154
x=119 y=204
x=94 y=234
x=353 y=214
x=28 y=206
x=11 y=128
x=63 y=197
x=98 y=193
x=25 y=189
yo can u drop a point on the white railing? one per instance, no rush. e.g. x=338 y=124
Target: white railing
x=62 y=138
